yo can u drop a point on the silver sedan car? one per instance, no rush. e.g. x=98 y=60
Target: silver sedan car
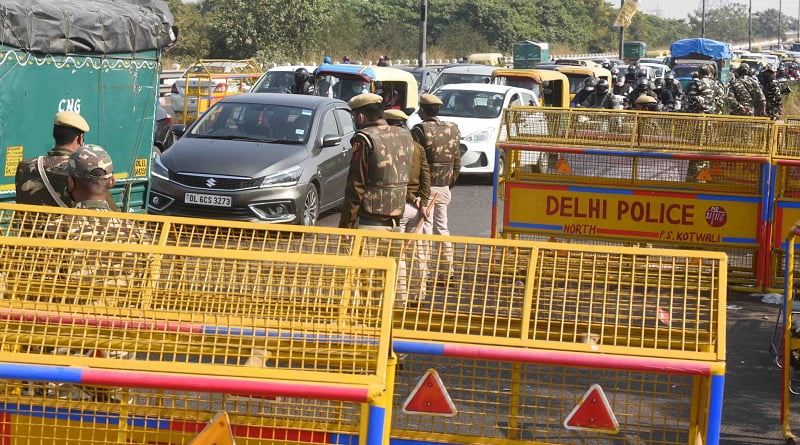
x=276 y=158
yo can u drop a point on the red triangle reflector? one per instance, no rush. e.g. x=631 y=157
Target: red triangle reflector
x=430 y=397
x=592 y=413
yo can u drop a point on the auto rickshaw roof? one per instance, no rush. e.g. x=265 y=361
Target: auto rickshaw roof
x=535 y=74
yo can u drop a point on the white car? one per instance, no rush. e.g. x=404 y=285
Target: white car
x=279 y=79
x=658 y=69
x=477 y=109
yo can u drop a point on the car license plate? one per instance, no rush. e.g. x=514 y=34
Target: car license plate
x=207 y=200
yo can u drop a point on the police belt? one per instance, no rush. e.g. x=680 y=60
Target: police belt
x=371 y=222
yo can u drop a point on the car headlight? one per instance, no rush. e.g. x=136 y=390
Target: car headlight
x=158 y=169
x=484 y=135
x=290 y=176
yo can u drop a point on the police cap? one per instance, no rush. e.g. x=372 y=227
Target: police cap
x=395 y=115
x=645 y=99
x=70 y=119
x=90 y=162
x=429 y=99
x=364 y=99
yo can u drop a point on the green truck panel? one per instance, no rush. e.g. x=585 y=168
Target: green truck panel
x=115 y=93
x=527 y=54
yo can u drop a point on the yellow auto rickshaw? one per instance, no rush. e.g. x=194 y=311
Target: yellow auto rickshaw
x=491 y=59
x=577 y=74
x=343 y=81
x=551 y=87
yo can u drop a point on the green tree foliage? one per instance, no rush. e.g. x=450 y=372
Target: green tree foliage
x=193 y=41
x=306 y=30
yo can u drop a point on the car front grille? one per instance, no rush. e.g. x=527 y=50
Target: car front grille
x=211 y=182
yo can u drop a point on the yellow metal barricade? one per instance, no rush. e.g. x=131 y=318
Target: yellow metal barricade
x=792 y=120
x=111 y=336
x=640 y=178
x=790 y=353
x=786 y=195
x=210 y=80
x=519 y=332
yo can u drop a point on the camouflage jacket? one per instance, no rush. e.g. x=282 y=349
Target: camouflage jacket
x=419 y=178
x=774 y=101
x=441 y=142
x=707 y=92
x=30 y=188
x=739 y=99
x=378 y=176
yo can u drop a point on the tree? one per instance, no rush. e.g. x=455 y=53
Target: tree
x=728 y=24
x=193 y=41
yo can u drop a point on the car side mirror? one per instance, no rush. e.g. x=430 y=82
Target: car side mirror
x=329 y=140
x=178 y=129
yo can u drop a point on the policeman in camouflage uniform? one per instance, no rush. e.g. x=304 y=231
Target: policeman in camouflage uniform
x=772 y=93
x=417 y=195
x=375 y=194
x=707 y=91
x=43 y=180
x=91 y=176
x=441 y=142
x=744 y=96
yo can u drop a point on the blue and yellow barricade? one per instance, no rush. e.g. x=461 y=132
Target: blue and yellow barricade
x=790 y=351
x=109 y=335
x=639 y=178
x=500 y=340
x=786 y=195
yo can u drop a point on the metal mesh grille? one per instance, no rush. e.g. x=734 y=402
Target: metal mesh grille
x=46 y=413
x=220 y=313
x=524 y=403
x=638 y=130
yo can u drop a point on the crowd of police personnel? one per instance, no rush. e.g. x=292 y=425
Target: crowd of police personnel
x=747 y=94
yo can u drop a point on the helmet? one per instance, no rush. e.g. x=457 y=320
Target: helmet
x=658 y=84
x=669 y=75
x=621 y=79
x=614 y=71
x=641 y=73
x=327 y=59
x=606 y=64
x=602 y=86
x=642 y=82
x=589 y=83
x=695 y=76
x=743 y=69
x=769 y=67
x=631 y=68
x=300 y=75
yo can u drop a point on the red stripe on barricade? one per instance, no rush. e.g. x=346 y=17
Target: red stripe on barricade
x=217 y=385
x=257 y=432
x=585 y=360
x=5 y=429
x=104 y=322
x=664 y=194
x=628 y=232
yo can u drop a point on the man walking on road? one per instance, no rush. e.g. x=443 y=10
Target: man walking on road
x=441 y=142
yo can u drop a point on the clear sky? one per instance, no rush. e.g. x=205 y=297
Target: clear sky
x=679 y=9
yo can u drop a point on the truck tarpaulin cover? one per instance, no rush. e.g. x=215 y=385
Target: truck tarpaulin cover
x=706 y=47
x=86 y=26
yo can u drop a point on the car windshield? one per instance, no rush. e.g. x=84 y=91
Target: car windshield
x=684 y=71
x=575 y=82
x=255 y=122
x=274 y=82
x=340 y=87
x=465 y=103
x=450 y=78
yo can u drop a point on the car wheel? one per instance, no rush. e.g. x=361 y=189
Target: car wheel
x=310 y=207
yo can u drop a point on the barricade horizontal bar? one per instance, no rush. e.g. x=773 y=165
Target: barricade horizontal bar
x=157 y=380
x=639 y=153
x=587 y=360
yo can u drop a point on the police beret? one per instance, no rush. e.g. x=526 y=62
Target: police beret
x=363 y=100
x=70 y=119
x=645 y=99
x=395 y=115
x=429 y=99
